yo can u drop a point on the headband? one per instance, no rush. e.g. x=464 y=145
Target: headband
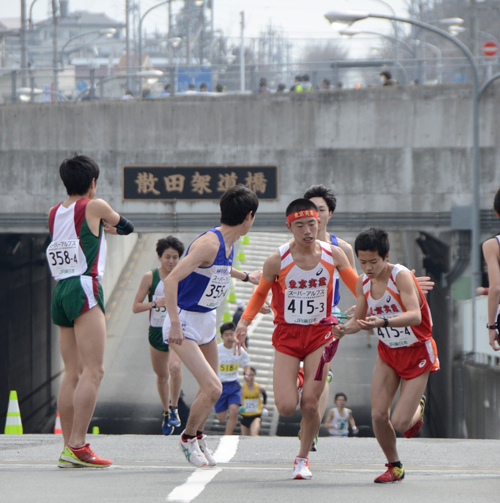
x=302 y=214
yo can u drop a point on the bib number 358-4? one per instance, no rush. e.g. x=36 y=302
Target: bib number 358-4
x=62 y=257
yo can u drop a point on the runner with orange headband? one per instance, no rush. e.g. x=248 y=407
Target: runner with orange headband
x=300 y=274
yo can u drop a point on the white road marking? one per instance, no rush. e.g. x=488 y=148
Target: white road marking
x=197 y=481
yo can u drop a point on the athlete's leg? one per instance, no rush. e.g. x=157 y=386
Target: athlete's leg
x=324 y=399
x=210 y=386
x=285 y=370
x=310 y=402
x=384 y=387
x=233 y=417
x=221 y=416
x=245 y=430
x=407 y=410
x=73 y=368
x=174 y=367
x=211 y=354
x=90 y=334
x=159 y=361
x=255 y=427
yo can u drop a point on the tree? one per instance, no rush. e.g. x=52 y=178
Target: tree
x=320 y=52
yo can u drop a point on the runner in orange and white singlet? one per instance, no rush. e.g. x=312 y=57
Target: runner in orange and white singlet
x=390 y=300
x=301 y=276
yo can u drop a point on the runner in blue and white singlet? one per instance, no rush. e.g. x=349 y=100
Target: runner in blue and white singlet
x=201 y=293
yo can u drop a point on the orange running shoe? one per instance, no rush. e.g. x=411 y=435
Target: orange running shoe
x=84 y=456
x=393 y=474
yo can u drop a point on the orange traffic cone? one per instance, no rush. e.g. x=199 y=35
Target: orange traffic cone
x=57 y=427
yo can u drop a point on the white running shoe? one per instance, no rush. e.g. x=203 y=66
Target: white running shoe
x=209 y=455
x=191 y=450
x=301 y=469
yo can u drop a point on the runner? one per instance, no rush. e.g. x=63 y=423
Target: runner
x=228 y=375
x=77 y=259
x=193 y=290
x=492 y=256
x=390 y=300
x=169 y=251
x=339 y=418
x=301 y=276
x=253 y=407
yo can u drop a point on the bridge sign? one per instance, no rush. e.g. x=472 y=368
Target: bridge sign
x=490 y=48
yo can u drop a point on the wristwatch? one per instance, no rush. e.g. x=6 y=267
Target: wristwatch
x=492 y=327
x=247 y=277
x=386 y=322
x=153 y=304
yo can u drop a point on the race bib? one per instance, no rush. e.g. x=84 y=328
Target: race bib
x=397 y=337
x=251 y=405
x=62 y=257
x=305 y=307
x=158 y=314
x=216 y=291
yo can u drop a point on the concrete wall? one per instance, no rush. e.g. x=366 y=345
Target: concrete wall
x=387 y=150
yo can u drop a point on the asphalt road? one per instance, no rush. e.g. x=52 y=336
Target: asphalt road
x=151 y=468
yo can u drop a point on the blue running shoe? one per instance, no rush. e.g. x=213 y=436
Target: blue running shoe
x=174 y=419
x=165 y=426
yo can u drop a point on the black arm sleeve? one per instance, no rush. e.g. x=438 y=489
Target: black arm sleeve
x=124 y=227
x=264 y=397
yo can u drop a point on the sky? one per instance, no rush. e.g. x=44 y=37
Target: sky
x=299 y=19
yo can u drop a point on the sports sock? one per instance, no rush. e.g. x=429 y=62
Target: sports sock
x=199 y=434
x=187 y=437
x=397 y=464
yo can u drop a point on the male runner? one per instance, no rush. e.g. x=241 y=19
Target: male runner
x=491 y=252
x=169 y=251
x=230 y=399
x=390 y=299
x=193 y=290
x=340 y=417
x=253 y=406
x=301 y=276
x=77 y=258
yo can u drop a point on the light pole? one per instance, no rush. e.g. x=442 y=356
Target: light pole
x=109 y=32
x=352 y=17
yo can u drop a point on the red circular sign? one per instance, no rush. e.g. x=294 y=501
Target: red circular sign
x=490 y=48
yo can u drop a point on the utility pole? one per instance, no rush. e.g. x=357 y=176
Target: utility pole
x=242 y=52
x=127 y=40
x=24 y=52
x=55 y=84
x=474 y=28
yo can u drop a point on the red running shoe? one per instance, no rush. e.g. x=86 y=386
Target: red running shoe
x=393 y=474
x=84 y=456
x=418 y=425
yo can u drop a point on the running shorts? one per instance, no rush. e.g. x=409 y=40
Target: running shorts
x=300 y=340
x=73 y=297
x=248 y=420
x=156 y=339
x=231 y=393
x=197 y=327
x=412 y=361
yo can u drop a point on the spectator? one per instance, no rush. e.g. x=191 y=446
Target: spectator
x=297 y=84
x=167 y=91
x=340 y=418
x=219 y=88
x=203 y=88
x=129 y=95
x=263 y=86
x=386 y=78
x=281 y=88
x=191 y=89
x=147 y=94
x=325 y=84
x=306 y=83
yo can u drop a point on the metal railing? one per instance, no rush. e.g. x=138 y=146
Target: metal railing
x=77 y=83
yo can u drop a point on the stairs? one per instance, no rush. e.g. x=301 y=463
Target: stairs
x=260 y=348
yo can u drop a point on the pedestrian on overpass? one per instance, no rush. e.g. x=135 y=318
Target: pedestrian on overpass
x=166 y=365
x=390 y=300
x=77 y=259
x=492 y=256
x=193 y=291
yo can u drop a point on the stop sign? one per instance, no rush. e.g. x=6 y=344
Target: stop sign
x=490 y=48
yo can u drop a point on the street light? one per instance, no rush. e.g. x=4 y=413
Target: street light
x=348 y=32
x=109 y=32
x=351 y=17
